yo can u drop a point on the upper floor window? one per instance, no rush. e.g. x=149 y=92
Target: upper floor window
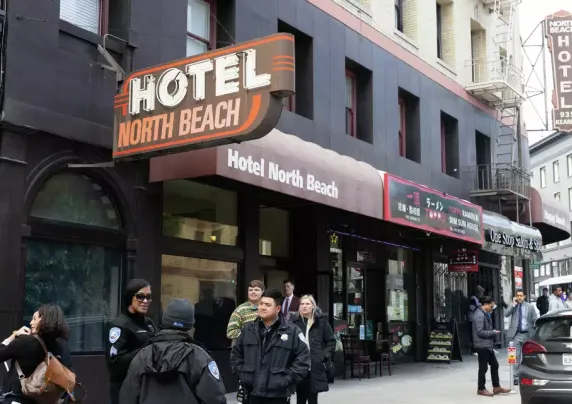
x=399 y=15
x=86 y=14
x=439 y=33
x=542 y=177
x=350 y=103
x=557 y=196
x=200 y=26
x=569 y=164
x=556 y=171
x=402 y=128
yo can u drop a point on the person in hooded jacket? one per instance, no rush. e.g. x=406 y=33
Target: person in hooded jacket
x=322 y=344
x=128 y=333
x=172 y=368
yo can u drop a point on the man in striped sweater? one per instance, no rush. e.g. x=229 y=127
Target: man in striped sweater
x=246 y=312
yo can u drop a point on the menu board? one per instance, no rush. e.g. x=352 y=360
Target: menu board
x=444 y=344
x=409 y=204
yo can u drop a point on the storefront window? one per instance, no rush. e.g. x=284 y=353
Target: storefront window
x=274 y=232
x=199 y=212
x=396 y=294
x=82 y=275
x=210 y=286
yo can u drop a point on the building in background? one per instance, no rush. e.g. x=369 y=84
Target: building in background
x=396 y=99
x=551 y=168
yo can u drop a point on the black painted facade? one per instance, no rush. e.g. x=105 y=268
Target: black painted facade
x=57 y=102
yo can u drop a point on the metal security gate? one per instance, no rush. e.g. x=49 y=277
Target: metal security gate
x=449 y=293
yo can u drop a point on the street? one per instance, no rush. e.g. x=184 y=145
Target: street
x=423 y=382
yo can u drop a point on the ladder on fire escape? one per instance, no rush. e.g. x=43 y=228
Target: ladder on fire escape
x=509 y=105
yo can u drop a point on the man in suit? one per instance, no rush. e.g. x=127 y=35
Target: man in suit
x=522 y=325
x=291 y=303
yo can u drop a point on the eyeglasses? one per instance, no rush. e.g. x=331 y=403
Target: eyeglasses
x=142 y=297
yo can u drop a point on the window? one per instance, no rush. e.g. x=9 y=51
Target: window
x=570 y=198
x=350 y=103
x=559 y=329
x=86 y=14
x=439 y=33
x=200 y=26
x=542 y=177
x=399 y=15
x=77 y=241
x=409 y=126
x=210 y=286
x=536 y=272
x=556 y=171
x=402 y=127
x=274 y=232
x=359 y=102
x=449 y=145
x=543 y=270
x=569 y=164
x=301 y=103
x=199 y=212
x=557 y=196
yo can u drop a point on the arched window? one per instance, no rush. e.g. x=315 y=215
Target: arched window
x=75 y=256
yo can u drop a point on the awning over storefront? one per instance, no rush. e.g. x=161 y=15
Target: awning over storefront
x=558 y=280
x=505 y=237
x=286 y=164
x=553 y=222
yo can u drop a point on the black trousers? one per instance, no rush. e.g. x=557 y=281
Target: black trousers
x=471 y=344
x=304 y=393
x=264 y=400
x=487 y=358
x=114 y=389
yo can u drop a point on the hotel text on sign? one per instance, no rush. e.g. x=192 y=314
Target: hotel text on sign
x=220 y=97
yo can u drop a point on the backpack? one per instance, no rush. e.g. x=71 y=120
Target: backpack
x=49 y=381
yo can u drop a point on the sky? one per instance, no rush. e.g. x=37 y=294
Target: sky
x=531 y=13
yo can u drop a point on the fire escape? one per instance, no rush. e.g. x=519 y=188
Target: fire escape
x=498 y=83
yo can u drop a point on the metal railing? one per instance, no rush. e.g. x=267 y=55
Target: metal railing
x=500 y=178
x=498 y=69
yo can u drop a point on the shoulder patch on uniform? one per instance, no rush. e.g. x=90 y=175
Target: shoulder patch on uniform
x=213 y=368
x=112 y=351
x=114 y=334
x=302 y=338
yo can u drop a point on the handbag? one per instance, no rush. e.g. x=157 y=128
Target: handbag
x=330 y=370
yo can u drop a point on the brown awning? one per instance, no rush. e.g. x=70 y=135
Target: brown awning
x=287 y=164
x=553 y=222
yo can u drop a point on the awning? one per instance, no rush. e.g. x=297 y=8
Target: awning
x=286 y=164
x=558 y=280
x=552 y=221
x=505 y=237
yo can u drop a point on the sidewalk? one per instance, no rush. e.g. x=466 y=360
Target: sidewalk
x=432 y=383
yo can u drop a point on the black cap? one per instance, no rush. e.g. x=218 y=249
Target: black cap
x=179 y=315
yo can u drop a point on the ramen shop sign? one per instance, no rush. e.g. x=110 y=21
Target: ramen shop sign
x=224 y=96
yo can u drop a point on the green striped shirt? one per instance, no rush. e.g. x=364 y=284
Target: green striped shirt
x=245 y=313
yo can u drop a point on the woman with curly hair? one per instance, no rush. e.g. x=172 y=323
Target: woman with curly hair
x=50 y=325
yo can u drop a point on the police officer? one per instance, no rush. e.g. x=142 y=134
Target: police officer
x=172 y=368
x=128 y=333
x=270 y=356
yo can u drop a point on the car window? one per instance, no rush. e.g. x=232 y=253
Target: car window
x=555 y=328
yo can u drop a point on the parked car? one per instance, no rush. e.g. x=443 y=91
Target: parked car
x=546 y=371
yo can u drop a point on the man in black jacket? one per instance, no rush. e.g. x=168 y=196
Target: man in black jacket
x=128 y=333
x=172 y=369
x=270 y=357
x=542 y=303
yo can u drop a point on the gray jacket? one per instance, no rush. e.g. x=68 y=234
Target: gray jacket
x=555 y=303
x=483 y=334
x=531 y=319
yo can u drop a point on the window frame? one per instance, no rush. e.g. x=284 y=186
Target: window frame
x=443 y=147
x=570 y=198
x=211 y=41
x=353 y=77
x=542 y=177
x=557 y=196
x=402 y=133
x=398 y=10
x=556 y=171
x=439 y=31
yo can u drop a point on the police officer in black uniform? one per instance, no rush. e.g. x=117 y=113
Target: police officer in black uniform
x=172 y=368
x=128 y=333
x=270 y=357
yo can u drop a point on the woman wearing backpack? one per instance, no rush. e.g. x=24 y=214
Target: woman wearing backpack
x=23 y=347
x=321 y=340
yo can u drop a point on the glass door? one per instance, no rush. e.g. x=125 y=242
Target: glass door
x=356 y=304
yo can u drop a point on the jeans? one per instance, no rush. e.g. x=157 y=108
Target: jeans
x=487 y=358
x=304 y=393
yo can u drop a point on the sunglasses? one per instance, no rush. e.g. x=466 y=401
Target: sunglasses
x=142 y=297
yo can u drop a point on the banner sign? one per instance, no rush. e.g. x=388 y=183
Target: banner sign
x=559 y=34
x=464 y=261
x=409 y=204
